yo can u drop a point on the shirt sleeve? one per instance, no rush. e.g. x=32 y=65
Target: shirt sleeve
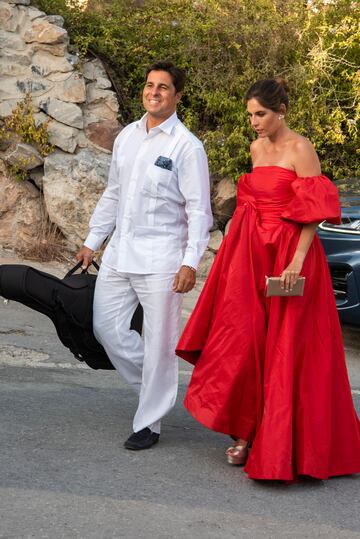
x=103 y=220
x=194 y=185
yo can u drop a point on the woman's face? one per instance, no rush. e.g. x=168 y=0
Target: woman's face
x=264 y=121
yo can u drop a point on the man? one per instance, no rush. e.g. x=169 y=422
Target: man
x=158 y=201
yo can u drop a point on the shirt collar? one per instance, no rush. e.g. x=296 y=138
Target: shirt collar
x=167 y=126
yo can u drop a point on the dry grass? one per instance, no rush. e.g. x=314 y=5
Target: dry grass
x=50 y=245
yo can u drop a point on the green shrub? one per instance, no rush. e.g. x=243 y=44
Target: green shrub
x=22 y=124
x=225 y=46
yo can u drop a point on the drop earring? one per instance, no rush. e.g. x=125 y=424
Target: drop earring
x=281 y=116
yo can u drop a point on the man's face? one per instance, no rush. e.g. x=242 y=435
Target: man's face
x=159 y=96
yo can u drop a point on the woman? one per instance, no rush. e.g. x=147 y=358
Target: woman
x=270 y=372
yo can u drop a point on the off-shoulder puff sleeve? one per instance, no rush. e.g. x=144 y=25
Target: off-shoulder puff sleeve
x=315 y=199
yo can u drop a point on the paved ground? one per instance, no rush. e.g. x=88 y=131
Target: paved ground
x=65 y=475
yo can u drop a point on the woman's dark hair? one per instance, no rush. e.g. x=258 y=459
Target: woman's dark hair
x=270 y=93
x=177 y=74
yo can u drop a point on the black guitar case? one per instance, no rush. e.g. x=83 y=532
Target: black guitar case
x=68 y=302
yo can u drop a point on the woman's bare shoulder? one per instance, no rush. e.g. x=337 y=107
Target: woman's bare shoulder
x=304 y=156
x=255 y=147
x=301 y=143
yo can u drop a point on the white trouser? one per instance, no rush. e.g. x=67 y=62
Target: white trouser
x=150 y=365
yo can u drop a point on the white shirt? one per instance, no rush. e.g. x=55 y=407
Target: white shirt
x=161 y=217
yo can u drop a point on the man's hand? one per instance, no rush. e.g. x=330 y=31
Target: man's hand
x=185 y=280
x=85 y=255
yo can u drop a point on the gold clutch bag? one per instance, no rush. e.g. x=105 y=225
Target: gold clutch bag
x=273 y=287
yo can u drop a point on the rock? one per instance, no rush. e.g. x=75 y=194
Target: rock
x=14 y=87
x=32 y=13
x=42 y=31
x=20 y=2
x=60 y=135
x=224 y=200
x=40 y=118
x=93 y=69
x=13 y=69
x=11 y=19
x=57 y=49
x=22 y=58
x=98 y=112
x=34 y=87
x=6 y=12
x=6 y=107
x=102 y=83
x=36 y=175
x=58 y=77
x=215 y=241
x=23 y=155
x=11 y=41
x=215 y=225
x=44 y=63
x=20 y=212
x=84 y=142
x=205 y=264
x=103 y=133
x=72 y=186
x=73 y=59
x=72 y=89
x=66 y=113
x=100 y=105
x=97 y=95
x=58 y=20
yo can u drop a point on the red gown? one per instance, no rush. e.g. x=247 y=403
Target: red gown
x=272 y=370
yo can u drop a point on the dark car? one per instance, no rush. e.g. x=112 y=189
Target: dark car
x=342 y=248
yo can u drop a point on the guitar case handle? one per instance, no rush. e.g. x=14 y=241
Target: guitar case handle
x=78 y=266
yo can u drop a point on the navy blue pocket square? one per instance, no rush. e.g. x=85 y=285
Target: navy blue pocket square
x=164 y=162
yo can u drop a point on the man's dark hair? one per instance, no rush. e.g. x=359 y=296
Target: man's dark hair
x=177 y=74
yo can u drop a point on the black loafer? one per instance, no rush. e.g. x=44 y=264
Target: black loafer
x=143 y=439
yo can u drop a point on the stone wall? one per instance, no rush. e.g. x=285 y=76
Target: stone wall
x=35 y=58
x=77 y=99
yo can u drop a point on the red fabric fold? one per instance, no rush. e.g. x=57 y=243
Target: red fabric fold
x=316 y=199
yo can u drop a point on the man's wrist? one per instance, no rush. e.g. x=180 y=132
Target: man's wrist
x=190 y=267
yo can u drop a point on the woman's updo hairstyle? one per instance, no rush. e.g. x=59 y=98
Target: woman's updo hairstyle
x=270 y=93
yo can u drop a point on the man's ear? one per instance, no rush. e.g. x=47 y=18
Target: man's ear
x=178 y=96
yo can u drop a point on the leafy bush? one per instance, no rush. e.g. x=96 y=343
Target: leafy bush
x=22 y=124
x=225 y=46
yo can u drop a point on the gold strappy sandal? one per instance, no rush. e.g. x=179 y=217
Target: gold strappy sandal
x=237 y=454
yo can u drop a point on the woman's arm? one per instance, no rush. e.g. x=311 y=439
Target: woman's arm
x=306 y=163
x=291 y=273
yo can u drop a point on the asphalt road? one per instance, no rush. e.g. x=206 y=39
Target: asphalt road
x=65 y=475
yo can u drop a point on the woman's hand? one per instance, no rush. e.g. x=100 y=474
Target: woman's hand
x=290 y=275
